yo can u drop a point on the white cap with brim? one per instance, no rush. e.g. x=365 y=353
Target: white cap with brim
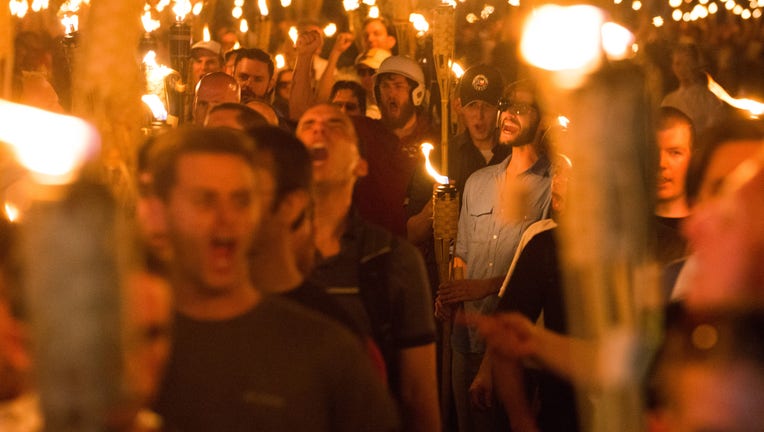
x=210 y=45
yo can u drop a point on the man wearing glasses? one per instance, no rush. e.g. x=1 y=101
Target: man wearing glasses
x=499 y=203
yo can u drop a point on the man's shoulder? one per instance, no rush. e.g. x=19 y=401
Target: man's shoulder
x=489 y=171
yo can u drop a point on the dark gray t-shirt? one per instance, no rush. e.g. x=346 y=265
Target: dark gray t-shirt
x=278 y=367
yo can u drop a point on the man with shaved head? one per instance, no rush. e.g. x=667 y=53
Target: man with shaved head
x=214 y=89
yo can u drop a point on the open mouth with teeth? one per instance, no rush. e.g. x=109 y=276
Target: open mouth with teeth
x=319 y=153
x=222 y=249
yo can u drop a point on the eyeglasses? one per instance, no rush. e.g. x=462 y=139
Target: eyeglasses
x=349 y=106
x=516 y=108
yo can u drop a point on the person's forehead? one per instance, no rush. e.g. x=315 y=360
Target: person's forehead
x=188 y=164
x=375 y=27
x=522 y=96
x=677 y=135
x=252 y=65
x=201 y=53
x=325 y=113
x=345 y=94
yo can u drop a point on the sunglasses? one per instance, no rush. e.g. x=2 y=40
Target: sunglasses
x=516 y=108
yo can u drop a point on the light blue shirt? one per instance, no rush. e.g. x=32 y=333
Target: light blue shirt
x=496 y=210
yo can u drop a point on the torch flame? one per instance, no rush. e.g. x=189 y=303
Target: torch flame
x=426 y=149
x=420 y=22
x=286 y=3
x=243 y=26
x=457 y=69
x=197 y=9
x=52 y=154
x=374 y=12
x=11 y=212
x=70 y=23
x=206 y=33
x=330 y=29
x=280 y=61
x=293 y=34
x=181 y=9
x=350 y=5
x=263 y=6
x=149 y=24
x=155 y=105
x=755 y=108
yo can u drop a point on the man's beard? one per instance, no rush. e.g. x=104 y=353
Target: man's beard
x=406 y=112
x=527 y=136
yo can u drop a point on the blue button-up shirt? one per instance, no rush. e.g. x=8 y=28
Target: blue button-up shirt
x=495 y=212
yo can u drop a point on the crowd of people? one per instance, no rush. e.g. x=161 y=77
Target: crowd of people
x=290 y=281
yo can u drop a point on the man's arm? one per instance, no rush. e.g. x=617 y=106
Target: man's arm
x=341 y=44
x=301 y=96
x=419 y=389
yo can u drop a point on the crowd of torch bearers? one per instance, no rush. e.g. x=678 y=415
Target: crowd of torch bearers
x=66 y=210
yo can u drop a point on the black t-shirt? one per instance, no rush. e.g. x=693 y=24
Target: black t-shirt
x=277 y=367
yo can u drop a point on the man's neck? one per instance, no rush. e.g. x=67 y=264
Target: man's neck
x=674 y=208
x=407 y=129
x=523 y=158
x=274 y=270
x=238 y=300
x=484 y=144
x=331 y=212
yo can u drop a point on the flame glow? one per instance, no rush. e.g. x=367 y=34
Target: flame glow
x=369 y=2
x=560 y=38
x=350 y=5
x=426 y=149
x=71 y=23
x=374 y=12
x=181 y=9
x=54 y=153
x=11 y=212
x=755 y=108
x=237 y=12
x=293 y=34
x=280 y=61
x=420 y=23
x=162 y=5
x=563 y=121
x=330 y=29
x=155 y=105
x=244 y=26
x=262 y=5
x=206 y=33
x=616 y=41
x=197 y=9
x=457 y=69
x=18 y=8
x=286 y=3
x=149 y=23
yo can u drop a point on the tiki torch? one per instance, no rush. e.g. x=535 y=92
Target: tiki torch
x=263 y=26
x=72 y=284
x=180 y=50
x=443 y=53
x=611 y=286
x=354 y=20
x=445 y=220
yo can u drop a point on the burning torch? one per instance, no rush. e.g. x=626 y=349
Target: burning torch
x=180 y=49
x=445 y=220
x=443 y=54
x=263 y=26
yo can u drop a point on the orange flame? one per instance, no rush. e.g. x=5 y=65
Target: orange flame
x=426 y=149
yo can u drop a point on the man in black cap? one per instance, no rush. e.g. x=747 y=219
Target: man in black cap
x=478 y=146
